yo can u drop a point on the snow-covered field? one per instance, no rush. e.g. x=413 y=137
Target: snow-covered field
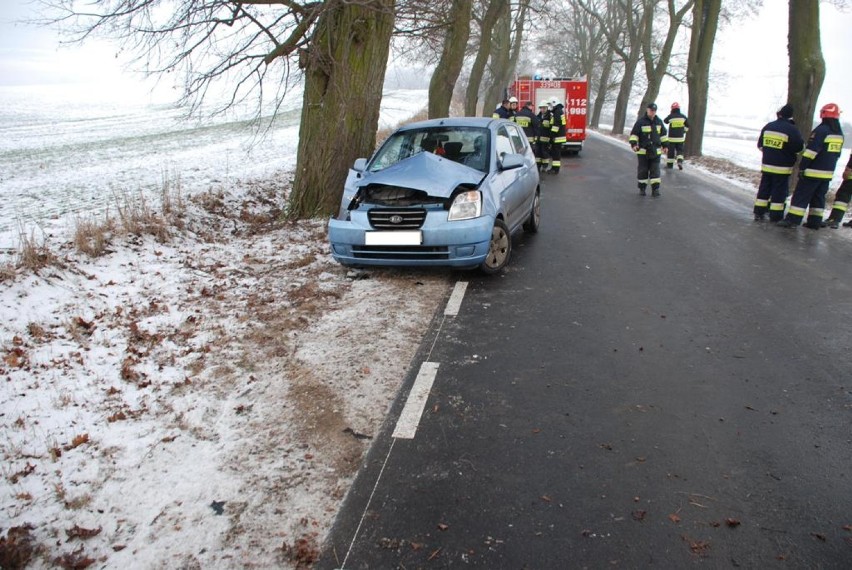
x=68 y=151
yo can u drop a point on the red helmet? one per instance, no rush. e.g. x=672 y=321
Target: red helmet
x=830 y=111
x=675 y=105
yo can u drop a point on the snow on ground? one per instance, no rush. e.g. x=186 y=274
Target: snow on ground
x=202 y=400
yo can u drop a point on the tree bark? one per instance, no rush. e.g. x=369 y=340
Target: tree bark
x=344 y=69
x=447 y=71
x=807 y=66
x=705 y=22
x=603 y=88
x=501 y=56
x=477 y=71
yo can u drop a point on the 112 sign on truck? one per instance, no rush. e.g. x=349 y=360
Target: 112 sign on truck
x=572 y=93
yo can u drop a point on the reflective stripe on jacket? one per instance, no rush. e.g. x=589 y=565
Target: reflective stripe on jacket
x=781 y=143
x=821 y=155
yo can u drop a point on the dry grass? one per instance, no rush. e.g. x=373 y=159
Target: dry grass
x=135 y=216
x=91 y=236
x=33 y=254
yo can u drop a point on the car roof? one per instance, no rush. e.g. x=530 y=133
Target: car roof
x=482 y=122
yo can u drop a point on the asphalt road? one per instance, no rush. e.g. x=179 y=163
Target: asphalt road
x=652 y=383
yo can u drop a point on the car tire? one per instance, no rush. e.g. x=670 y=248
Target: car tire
x=531 y=225
x=499 y=250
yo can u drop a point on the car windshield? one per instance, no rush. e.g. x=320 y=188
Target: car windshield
x=465 y=145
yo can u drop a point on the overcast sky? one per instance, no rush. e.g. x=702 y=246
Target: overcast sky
x=749 y=61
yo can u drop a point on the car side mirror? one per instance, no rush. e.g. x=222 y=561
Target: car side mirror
x=360 y=165
x=510 y=160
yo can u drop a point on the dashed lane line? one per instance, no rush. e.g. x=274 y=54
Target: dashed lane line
x=409 y=418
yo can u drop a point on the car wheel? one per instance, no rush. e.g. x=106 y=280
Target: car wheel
x=531 y=225
x=499 y=250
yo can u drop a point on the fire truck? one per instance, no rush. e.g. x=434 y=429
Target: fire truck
x=572 y=93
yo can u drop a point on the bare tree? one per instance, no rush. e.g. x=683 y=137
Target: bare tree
x=657 y=55
x=705 y=22
x=249 y=46
x=447 y=71
x=807 y=66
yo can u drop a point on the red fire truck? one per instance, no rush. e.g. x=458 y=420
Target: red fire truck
x=572 y=93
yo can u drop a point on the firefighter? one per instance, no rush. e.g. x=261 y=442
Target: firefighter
x=781 y=144
x=513 y=107
x=841 y=199
x=527 y=120
x=678 y=127
x=557 y=134
x=648 y=140
x=542 y=144
x=816 y=168
x=503 y=111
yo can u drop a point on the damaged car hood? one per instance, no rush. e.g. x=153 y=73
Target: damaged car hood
x=430 y=173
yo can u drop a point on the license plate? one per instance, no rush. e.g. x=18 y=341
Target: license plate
x=414 y=237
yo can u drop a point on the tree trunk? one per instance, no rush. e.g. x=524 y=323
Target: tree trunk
x=705 y=21
x=344 y=67
x=807 y=66
x=477 y=71
x=623 y=99
x=603 y=88
x=447 y=71
x=501 y=56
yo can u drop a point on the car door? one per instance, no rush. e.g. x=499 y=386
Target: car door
x=516 y=182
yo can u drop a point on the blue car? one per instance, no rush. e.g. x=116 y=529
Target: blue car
x=443 y=192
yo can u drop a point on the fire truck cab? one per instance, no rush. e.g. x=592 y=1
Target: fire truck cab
x=572 y=93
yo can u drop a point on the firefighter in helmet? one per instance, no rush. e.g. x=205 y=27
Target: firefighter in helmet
x=513 y=107
x=648 y=139
x=841 y=199
x=816 y=168
x=678 y=127
x=557 y=134
x=780 y=143
x=542 y=143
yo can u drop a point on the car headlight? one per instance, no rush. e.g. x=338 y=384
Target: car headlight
x=466 y=205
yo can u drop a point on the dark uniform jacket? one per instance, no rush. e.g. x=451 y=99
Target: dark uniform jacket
x=502 y=112
x=823 y=150
x=649 y=135
x=557 y=124
x=781 y=144
x=678 y=126
x=544 y=126
x=527 y=120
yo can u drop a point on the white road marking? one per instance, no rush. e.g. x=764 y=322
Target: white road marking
x=454 y=304
x=409 y=419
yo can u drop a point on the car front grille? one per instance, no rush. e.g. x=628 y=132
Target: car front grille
x=400 y=252
x=396 y=218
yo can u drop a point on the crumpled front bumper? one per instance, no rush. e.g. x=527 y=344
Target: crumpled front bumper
x=460 y=244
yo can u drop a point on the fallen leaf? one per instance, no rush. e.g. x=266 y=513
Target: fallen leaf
x=546 y=498
x=79 y=532
x=818 y=536
x=639 y=515
x=732 y=522
x=442 y=526
x=674 y=518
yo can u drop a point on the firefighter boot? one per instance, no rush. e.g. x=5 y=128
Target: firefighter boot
x=680 y=165
x=833 y=220
x=655 y=191
x=641 y=189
